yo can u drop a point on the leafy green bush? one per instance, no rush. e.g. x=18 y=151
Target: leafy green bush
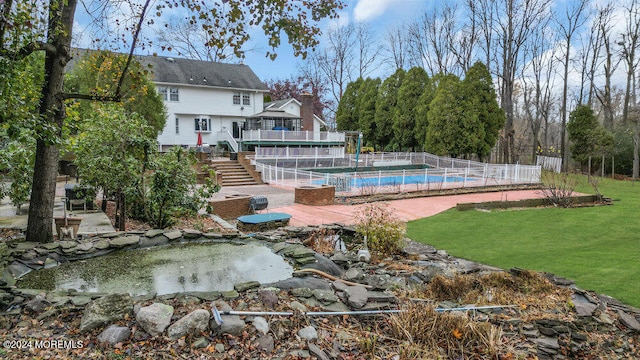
x=16 y=161
x=172 y=189
x=383 y=231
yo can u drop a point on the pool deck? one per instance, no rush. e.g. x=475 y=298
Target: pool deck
x=281 y=201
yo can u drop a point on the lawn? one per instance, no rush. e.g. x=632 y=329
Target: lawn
x=598 y=247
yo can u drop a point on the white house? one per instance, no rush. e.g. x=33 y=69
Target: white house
x=224 y=103
x=212 y=98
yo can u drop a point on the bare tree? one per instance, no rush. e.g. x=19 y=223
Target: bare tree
x=466 y=40
x=431 y=37
x=396 y=46
x=574 y=18
x=514 y=22
x=604 y=21
x=629 y=44
x=337 y=59
x=537 y=80
x=368 y=52
x=191 y=39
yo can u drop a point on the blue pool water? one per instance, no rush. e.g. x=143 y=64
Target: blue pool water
x=360 y=182
x=397 y=180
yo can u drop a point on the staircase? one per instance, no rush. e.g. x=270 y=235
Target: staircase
x=232 y=173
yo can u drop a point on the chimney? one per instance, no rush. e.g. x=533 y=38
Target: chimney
x=306 y=111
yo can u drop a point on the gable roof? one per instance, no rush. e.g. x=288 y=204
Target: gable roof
x=279 y=104
x=174 y=70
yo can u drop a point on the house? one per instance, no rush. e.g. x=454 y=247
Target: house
x=223 y=103
x=210 y=98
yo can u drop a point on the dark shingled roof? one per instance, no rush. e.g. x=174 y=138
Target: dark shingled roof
x=175 y=70
x=205 y=73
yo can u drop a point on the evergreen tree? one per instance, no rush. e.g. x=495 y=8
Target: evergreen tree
x=386 y=107
x=422 y=111
x=367 y=96
x=405 y=116
x=347 y=113
x=454 y=128
x=587 y=136
x=478 y=86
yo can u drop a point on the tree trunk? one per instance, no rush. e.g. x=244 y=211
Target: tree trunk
x=39 y=227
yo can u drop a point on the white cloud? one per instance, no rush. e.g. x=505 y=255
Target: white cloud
x=366 y=10
x=341 y=21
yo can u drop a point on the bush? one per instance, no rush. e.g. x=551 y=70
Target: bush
x=559 y=188
x=383 y=231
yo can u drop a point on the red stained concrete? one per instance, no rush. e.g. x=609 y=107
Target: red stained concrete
x=407 y=209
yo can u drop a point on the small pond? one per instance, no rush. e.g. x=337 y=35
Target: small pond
x=165 y=270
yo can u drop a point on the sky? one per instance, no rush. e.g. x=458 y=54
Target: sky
x=378 y=14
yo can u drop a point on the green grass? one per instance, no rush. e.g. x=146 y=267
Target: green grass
x=598 y=247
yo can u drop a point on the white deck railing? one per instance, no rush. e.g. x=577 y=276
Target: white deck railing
x=285 y=135
x=225 y=135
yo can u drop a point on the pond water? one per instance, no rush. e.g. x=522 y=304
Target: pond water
x=165 y=270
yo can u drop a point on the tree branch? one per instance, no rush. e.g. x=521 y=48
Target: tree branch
x=133 y=47
x=27 y=50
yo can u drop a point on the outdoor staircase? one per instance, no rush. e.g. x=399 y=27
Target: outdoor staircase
x=232 y=173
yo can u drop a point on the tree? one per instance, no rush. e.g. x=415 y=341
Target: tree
x=574 y=18
x=113 y=149
x=385 y=108
x=588 y=138
x=454 y=125
x=630 y=43
x=366 y=104
x=293 y=89
x=49 y=29
x=348 y=113
x=405 y=118
x=478 y=89
x=96 y=73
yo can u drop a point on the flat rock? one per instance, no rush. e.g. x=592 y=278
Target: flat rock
x=193 y=323
x=357 y=296
x=629 y=321
x=153 y=232
x=308 y=333
x=325 y=265
x=325 y=296
x=104 y=310
x=101 y=244
x=173 y=235
x=114 y=334
x=155 y=318
x=261 y=324
x=124 y=241
x=265 y=343
x=317 y=352
x=242 y=287
x=301 y=282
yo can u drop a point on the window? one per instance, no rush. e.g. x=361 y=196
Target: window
x=177 y=126
x=246 y=98
x=169 y=93
x=162 y=91
x=203 y=124
x=174 y=95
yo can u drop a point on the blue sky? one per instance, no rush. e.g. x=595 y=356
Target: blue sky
x=378 y=14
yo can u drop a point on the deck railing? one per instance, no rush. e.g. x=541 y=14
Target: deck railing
x=285 y=135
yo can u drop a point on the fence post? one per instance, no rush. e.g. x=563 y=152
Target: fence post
x=466 y=174
x=404 y=175
x=444 y=178
x=379 y=177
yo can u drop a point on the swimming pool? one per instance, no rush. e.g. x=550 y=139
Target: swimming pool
x=348 y=181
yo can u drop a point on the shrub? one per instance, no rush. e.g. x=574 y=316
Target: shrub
x=383 y=231
x=559 y=188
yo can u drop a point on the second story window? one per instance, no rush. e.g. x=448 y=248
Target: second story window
x=245 y=97
x=169 y=93
x=174 y=94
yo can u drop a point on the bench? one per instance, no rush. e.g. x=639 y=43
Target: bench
x=262 y=222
